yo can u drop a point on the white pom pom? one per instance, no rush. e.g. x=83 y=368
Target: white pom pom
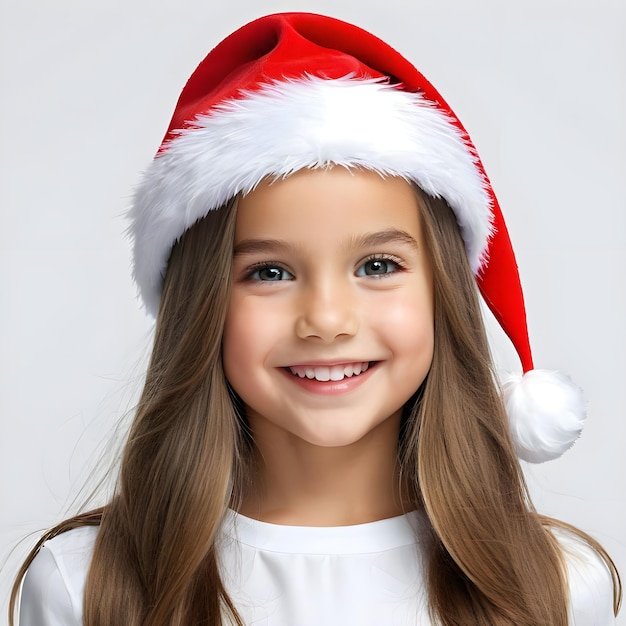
x=546 y=412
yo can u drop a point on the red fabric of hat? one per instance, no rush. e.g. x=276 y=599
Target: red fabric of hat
x=297 y=90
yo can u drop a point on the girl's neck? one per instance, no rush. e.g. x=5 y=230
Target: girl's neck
x=300 y=484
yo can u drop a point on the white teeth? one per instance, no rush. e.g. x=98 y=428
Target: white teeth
x=337 y=372
x=322 y=373
x=325 y=373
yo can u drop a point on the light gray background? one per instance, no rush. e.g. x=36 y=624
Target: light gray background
x=87 y=89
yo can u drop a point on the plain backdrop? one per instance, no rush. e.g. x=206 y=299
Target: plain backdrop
x=86 y=92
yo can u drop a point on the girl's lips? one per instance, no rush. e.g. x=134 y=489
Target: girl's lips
x=317 y=379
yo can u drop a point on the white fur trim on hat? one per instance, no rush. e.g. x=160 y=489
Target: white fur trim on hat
x=546 y=413
x=292 y=125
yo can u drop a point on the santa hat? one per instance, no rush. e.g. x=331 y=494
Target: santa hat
x=296 y=90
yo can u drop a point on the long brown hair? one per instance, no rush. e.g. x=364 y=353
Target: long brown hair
x=492 y=559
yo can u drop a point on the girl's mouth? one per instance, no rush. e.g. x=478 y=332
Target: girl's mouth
x=325 y=373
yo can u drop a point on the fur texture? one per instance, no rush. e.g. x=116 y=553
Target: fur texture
x=291 y=125
x=546 y=412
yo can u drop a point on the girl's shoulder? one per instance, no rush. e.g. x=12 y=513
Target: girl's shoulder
x=52 y=594
x=589 y=580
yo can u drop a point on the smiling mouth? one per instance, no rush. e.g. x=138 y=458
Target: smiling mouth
x=333 y=373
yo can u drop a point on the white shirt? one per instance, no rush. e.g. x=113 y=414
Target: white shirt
x=367 y=575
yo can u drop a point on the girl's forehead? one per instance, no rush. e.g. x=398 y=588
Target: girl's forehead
x=316 y=202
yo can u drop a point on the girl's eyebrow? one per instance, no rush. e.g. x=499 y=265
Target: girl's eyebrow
x=367 y=240
x=252 y=246
x=385 y=236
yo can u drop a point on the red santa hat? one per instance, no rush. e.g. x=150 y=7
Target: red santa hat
x=295 y=90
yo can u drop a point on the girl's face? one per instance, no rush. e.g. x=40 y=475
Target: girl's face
x=330 y=325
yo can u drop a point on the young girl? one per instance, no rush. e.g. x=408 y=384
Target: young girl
x=321 y=437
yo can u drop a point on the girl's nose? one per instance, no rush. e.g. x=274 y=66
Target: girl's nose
x=327 y=312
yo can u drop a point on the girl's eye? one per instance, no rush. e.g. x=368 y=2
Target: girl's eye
x=270 y=273
x=377 y=267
